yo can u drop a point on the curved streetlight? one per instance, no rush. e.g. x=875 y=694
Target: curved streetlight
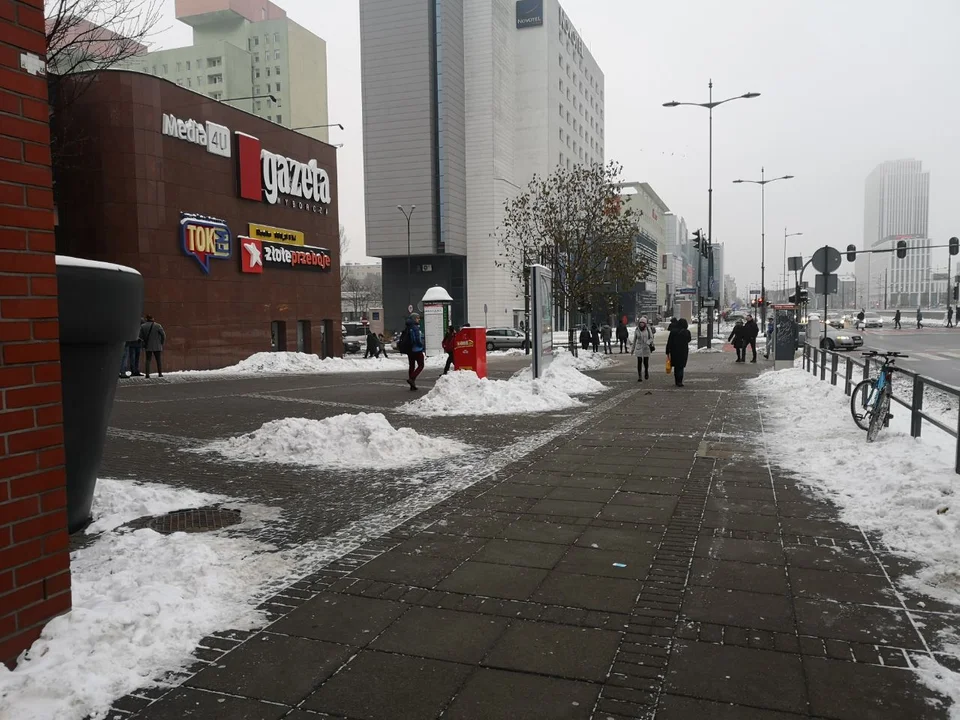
x=785 y=236
x=709 y=105
x=408 y=215
x=763 y=182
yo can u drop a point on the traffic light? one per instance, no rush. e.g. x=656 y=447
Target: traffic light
x=697 y=239
x=901 y=249
x=851 y=253
x=956 y=288
x=954 y=245
x=804 y=297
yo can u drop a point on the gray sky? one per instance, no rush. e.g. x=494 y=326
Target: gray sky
x=845 y=84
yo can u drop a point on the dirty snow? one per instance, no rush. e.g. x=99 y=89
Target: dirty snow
x=463 y=393
x=349 y=442
x=120 y=501
x=294 y=363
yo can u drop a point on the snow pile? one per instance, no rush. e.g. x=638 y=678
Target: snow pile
x=294 y=363
x=585 y=361
x=563 y=373
x=141 y=603
x=509 y=352
x=349 y=442
x=463 y=393
x=120 y=501
x=708 y=350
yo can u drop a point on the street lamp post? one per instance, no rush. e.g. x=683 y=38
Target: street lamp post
x=408 y=215
x=786 y=277
x=710 y=105
x=763 y=182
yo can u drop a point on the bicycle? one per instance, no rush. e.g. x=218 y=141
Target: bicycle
x=870 y=401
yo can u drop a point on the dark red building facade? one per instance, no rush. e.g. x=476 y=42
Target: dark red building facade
x=232 y=220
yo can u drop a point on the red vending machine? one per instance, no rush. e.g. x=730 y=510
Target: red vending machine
x=471 y=350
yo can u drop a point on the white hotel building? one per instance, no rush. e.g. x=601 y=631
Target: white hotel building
x=464 y=102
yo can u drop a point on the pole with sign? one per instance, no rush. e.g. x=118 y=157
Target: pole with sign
x=541 y=323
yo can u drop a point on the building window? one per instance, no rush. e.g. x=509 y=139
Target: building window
x=257 y=106
x=256 y=74
x=276 y=70
x=268 y=72
x=215 y=79
x=214 y=62
x=276 y=38
x=199 y=79
x=277 y=86
x=179 y=67
x=164 y=68
x=276 y=54
x=561 y=82
x=270 y=118
x=256 y=40
x=561 y=159
x=561 y=134
x=256 y=57
x=189 y=82
x=279 y=118
x=256 y=89
x=561 y=109
x=216 y=95
x=561 y=59
x=154 y=71
x=188 y=65
x=179 y=82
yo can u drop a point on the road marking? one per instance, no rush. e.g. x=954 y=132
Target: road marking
x=324 y=403
x=162 y=438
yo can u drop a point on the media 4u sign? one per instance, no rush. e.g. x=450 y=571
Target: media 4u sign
x=529 y=13
x=276 y=179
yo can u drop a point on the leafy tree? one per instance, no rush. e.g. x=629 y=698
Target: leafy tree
x=574 y=223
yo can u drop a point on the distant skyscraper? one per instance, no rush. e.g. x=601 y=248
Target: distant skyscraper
x=896 y=206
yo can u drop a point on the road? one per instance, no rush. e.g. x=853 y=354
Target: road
x=934 y=352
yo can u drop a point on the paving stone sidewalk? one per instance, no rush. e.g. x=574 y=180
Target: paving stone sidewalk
x=648 y=564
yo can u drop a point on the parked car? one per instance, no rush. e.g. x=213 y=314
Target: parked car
x=354 y=337
x=841 y=339
x=505 y=339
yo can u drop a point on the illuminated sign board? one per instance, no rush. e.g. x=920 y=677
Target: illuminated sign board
x=529 y=13
x=204 y=238
x=255 y=255
x=275 y=234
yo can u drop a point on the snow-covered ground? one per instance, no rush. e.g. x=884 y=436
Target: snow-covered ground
x=349 y=442
x=903 y=487
x=141 y=603
x=463 y=393
x=293 y=363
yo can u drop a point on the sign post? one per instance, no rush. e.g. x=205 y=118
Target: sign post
x=541 y=331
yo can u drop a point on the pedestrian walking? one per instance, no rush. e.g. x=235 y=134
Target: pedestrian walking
x=752 y=330
x=153 y=338
x=383 y=345
x=950 y=316
x=738 y=338
x=642 y=348
x=678 y=349
x=449 y=345
x=411 y=344
x=623 y=336
x=373 y=346
x=919 y=319
x=896 y=320
x=860 y=317
x=606 y=334
x=595 y=337
x=584 y=338
x=769 y=336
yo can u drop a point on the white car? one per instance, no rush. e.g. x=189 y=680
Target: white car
x=872 y=320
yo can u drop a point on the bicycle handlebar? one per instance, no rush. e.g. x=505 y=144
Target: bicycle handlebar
x=888 y=355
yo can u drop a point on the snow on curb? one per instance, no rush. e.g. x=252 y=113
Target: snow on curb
x=586 y=361
x=708 y=350
x=294 y=363
x=348 y=442
x=141 y=603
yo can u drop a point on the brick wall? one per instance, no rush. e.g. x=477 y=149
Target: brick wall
x=34 y=558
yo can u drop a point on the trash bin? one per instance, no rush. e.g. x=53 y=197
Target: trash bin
x=100 y=305
x=470 y=351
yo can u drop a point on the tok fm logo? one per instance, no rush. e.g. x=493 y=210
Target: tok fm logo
x=203 y=238
x=251 y=255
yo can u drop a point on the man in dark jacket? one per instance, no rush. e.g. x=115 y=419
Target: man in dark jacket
x=738 y=337
x=606 y=334
x=919 y=319
x=752 y=330
x=595 y=337
x=373 y=346
x=896 y=320
x=623 y=336
x=950 y=316
x=678 y=349
x=449 y=345
x=585 y=338
x=153 y=339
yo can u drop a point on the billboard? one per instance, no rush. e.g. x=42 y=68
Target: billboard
x=541 y=330
x=529 y=13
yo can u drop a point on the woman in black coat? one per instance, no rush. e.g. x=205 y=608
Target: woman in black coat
x=585 y=338
x=595 y=337
x=678 y=349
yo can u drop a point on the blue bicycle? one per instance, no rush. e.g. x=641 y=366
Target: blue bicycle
x=870 y=402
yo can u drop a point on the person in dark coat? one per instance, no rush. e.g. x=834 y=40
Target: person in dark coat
x=153 y=338
x=623 y=336
x=673 y=325
x=949 y=316
x=373 y=346
x=606 y=334
x=738 y=337
x=585 y=338
x=678 y=349
x=595 y=337
x=752 y=330
x=919 y=319
x=449 y=345
x=896 y=320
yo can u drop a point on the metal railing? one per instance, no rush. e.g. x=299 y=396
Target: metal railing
x=827 y=364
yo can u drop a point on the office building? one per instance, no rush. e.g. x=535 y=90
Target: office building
x=896 y=207
x=463 y=102
x=249 y=49
x=676 y=265
x=650 y=213
x=730 y=296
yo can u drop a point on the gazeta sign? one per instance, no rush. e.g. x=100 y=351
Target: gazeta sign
x=276 y=179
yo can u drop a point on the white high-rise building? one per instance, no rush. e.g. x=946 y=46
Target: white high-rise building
x=464 y=102
x=896 y=207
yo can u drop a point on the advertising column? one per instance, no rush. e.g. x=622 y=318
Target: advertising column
x=542 y=318
x=436 y=317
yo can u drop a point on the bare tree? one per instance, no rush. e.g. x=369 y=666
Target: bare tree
x=572 y=222
x=345 y=272
x=358 y=294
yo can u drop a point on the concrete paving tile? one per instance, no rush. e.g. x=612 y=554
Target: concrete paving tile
x=755 y=551
x=261 y=668
x=558 y=650
x=442 y=635
x=674 y=707
x=820 y=528
x=661 y=486
x=815 y=557
x=567 y=508
x=591 y=592
x=740 y=521
x=501 y=695
x=636 y=513
x=740 y=507
x=644 y=500
x=736 y=607
x=619 y=539
x=472 y=525
x=534 y=531
x=444 y=546
x=591 y=480
x=856 y=623
x=383 y=686
x=406 y=569
x=842 y=586
x=346 y=619
x=758 y=678
x=189 y=704
x=590 y=561
x=739 y=576
x=491 y=580
x=521 y=552
x=600 y=495
x=854 y=691
x=520 y=490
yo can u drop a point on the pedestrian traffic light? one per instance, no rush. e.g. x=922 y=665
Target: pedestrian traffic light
x=954 y=245
x=901 y=248
x=851 y=253
x=956 y=292
x=697 y=238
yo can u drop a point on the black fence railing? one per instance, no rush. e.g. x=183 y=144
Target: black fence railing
x=908 y=390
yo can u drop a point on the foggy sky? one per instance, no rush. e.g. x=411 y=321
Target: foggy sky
x=845 y=85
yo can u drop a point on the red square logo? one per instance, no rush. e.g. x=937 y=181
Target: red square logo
x=248 y=167
x=251 y=255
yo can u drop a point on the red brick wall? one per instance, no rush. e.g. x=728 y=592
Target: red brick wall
x=34 y=559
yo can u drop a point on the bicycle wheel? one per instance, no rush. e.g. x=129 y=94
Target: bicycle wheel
x=879 y=416
x=862 y=403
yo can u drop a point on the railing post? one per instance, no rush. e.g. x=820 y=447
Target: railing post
x=957 y=465
x=833 y=369
x=848 y=377
x=866 y=368
x=823 y=365
x=813 y=364
x=916 y=406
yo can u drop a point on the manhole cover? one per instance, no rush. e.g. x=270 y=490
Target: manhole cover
x=202 y=519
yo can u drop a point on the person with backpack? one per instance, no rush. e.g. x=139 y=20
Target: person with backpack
x=623 y=336
x=373 y=346
x=449 y=345
x=678 y=349
x=950 y=316
x=411 y=345
x=153 y=338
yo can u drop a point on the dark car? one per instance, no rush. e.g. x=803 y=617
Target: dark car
x=354 y=336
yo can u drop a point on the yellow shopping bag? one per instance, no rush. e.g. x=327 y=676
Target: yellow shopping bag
x=669 y=366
